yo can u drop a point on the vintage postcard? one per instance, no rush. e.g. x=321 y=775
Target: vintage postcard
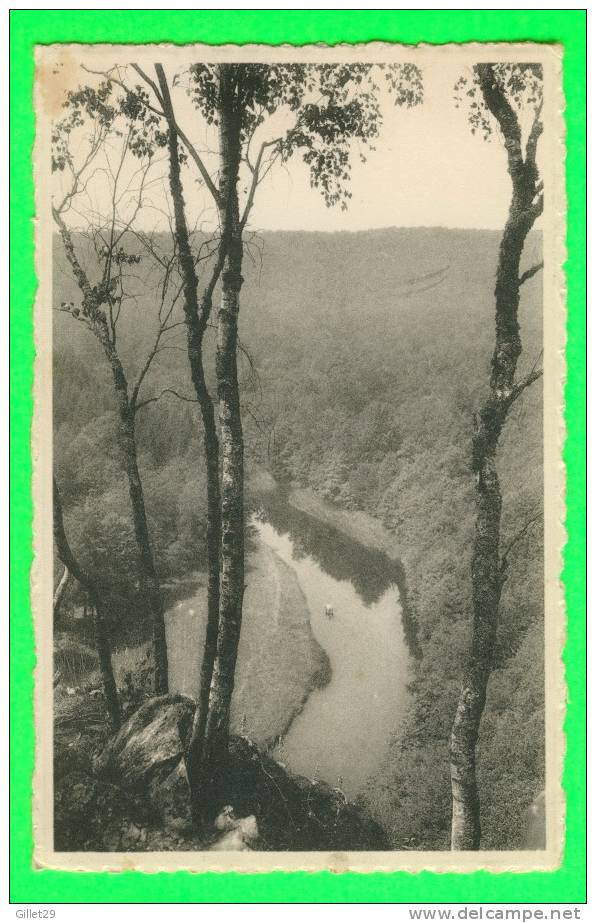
x=297 y=439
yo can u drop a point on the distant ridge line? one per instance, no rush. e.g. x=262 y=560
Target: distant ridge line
x=348 y=232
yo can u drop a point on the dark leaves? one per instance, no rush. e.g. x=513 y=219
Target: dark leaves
x=521 y=83
x=334 y=106
x=86 y=101
x=146 y=136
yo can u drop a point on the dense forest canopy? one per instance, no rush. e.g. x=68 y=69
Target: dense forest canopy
x=362 y=340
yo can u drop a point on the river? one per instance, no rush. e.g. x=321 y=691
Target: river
x=343 y=732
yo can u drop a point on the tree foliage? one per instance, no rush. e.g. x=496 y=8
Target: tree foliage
x=522 y=86
x=333 y=106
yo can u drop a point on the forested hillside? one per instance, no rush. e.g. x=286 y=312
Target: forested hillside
x=368 y=354
x=374 y=361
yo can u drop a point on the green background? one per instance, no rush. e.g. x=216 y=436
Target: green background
x=28 y=28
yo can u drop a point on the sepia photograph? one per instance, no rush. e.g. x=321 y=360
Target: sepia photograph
x=298 y=497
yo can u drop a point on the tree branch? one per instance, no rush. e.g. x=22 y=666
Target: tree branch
x=164 y=322
x=255 y=180
x=499 y=106
x=206 y=302
x=61 y=590
x=150 y=82
x=521 y=385
x=162 y=113
x=152 y=400
x=79 y=272
x=62 y=545
x=171 y=119
x=134 y=406
x=516 y=538
x=535 y=209
x=120 y=83
x=529 y=273
x=532 y=142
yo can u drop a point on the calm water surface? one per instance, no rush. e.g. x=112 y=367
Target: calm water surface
x=344 y=730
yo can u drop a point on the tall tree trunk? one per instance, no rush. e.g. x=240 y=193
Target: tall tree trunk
x=232 y=443
x=94 y=297
x=211 y=451
x=104 y=653
x=486 y=592
x=488 y=569
x=149 y=584
x=196 y=318
x=96 y=598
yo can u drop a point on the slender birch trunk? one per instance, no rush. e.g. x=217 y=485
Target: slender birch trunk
x=149 y=583
x=231 y=436
x=196 y=318
x=94 y=316
x=488 y=567
x=95 y=594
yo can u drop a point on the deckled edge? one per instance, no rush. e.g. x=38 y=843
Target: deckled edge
x=439 y=862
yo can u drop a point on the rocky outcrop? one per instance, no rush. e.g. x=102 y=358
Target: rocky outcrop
x=259 y=804
x=146 y=757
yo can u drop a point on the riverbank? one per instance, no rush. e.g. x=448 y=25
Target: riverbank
x=410 y=793
x=411 y=796
x=279 y=660
x=357 y=525
x=279 y=665
x=384 y=550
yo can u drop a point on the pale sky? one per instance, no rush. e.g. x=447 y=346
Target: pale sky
x=427 y=170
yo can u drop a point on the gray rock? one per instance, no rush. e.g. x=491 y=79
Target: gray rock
x=146 y=757
x=238 y=834
x=171 y=798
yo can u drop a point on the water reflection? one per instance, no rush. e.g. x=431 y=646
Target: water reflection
x=371 y=572
x=342 y=734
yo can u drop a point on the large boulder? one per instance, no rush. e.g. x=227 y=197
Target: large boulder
x=146 y=757
x=266 y=807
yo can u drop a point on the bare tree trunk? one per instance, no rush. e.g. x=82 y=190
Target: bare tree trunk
x=95 y=317
x=150 y=588
x=60 y=591
x=196 y=317
x=488 y=568
x=104 y=652
x=232 y=443
x=96 y=597
x=486 y=592
x=211 y=451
